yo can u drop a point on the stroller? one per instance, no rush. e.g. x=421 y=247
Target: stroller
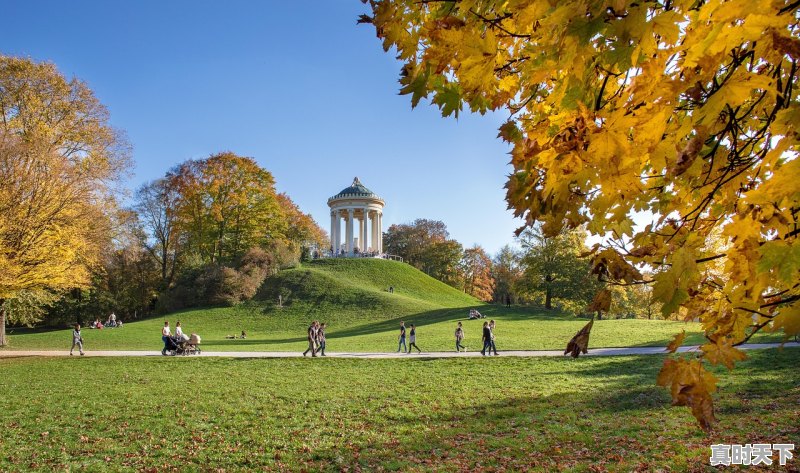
x=172 y=346
x=191 y=346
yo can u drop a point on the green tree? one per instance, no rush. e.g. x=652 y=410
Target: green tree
x=506 y=273
x=426 y=245
x=553 y=270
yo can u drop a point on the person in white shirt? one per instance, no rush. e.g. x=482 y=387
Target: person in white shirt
x=165 y=333
x=179 y=332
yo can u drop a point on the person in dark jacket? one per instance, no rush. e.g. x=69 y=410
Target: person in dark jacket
x=402 y=341
x=487 y=339
x=413 y=340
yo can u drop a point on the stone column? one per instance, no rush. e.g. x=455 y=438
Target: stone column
x=364 y=223
x=360 y=244
x=380 y=232
x=373 y=240
x=338 y=231
x=333 y=230
x=350 y=231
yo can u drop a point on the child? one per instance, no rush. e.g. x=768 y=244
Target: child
x=77 y=339
x=459 y=338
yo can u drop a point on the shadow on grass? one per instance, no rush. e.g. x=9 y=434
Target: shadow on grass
x=249 y=342
x=519 y=432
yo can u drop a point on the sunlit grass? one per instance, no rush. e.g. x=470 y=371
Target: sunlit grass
x=407 y=415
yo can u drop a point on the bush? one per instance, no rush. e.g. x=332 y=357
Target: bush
x=213 y=284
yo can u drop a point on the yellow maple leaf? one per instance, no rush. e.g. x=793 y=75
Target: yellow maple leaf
x=722 y=352
x=676 y=342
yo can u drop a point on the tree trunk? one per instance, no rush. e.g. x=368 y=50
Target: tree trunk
x=599 y=315
x=548 y=303
x=2 y=324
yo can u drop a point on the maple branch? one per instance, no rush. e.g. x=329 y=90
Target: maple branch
x=600 y=94
x=710 y=258
x=756 y=329
x=497 y=23
x=752 y=311
x=623 y=284
x=789 y=7
x=782 y=301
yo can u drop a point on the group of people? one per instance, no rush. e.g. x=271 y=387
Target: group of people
x=316 y=339
x=112 y=322
x=170 y=340
x=412 y=339
x=487 y=338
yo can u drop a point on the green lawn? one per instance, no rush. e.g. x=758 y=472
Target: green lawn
x=518 y=328
x=415 y=414
x=351 y=296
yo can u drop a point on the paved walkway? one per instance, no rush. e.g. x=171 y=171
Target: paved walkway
x=291 y=354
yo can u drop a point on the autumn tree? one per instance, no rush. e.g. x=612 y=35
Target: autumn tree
x=553 y=269
x=426 y=245
x=476 y=270
x=301 y=229
x=58 y=159
x=687 y=110
x=506 y=273
x=226 y=204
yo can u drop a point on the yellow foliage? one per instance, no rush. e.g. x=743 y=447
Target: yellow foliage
x=688 y=113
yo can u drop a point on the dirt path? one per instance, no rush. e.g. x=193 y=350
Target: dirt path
x=290 y=354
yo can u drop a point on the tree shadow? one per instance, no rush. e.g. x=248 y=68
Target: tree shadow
x=248 y=342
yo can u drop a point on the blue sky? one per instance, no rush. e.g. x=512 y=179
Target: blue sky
x=296 y=85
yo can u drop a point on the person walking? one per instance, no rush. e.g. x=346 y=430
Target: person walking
x=487 y=339
x=402 y=342
x=179 y=336
x=312 y=340
x=77 y=339
x=412 y=340
x=459 y=338
x=165 y=334
x=491 y=338
x=321 y=339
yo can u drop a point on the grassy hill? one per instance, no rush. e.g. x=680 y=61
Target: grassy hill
x=351 y=296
